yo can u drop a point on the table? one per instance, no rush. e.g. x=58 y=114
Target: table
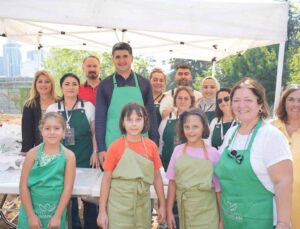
x=87 y=183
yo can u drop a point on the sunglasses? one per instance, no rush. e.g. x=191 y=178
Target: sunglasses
x=234 y=155
x=225 y=99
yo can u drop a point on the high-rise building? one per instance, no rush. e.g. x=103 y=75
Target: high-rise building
x=1 y=66
x=12 y=59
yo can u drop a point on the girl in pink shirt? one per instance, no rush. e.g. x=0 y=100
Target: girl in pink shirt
x=191 y=176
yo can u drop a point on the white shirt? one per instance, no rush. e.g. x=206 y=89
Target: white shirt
x=88 y=108
x=168 y=100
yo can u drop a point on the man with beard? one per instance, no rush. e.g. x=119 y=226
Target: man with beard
x=183 y=77
x=91 y=69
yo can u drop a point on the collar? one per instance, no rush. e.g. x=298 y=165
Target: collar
x=86 y=84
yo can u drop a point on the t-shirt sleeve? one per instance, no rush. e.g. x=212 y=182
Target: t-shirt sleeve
x=156 y=159
x=113 y=156
x=90 y=111
x=171 y=174
x=276 y=147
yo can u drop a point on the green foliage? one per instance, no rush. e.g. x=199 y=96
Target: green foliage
x=19 y=97
x=294 y=64
x=61 y=61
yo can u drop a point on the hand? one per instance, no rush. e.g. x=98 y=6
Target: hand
x=102 y=155
x=161 y=215
x=221 y=226
x=102 y=220
x=94 y=160
x=34 y=222
x=54 y=222
x=166 y=112
x=171 y=221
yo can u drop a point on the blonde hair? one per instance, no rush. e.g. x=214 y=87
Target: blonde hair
x=158 y=70
x=34 y=93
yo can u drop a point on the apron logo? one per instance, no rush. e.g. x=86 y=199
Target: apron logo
x=46 y=210
x=231 y=211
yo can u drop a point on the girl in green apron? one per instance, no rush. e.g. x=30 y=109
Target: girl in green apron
x=80 y=138
x=158 y=84
x=191 y=179
x=184 y=99
x=224 y=118
x=131 y=166
x=207 y=103
x=47 y=178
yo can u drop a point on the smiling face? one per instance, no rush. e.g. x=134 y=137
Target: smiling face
x=223 y=101
x=70 y=87
x=209 y=89
x=91 y=68
x=43 y=85
x=122 y=61
x=52 y=131
x=183 y=77
x=292 y=105
x=193 y=129
x=245 y=105
x=183 y=101
x=133 y=124
x=158 y=82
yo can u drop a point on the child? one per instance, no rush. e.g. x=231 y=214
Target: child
x=132 y=164
x=47 y=178
x=191 y=178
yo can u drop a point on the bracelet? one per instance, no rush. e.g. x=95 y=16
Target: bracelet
x=286 y=225
x=95 y=151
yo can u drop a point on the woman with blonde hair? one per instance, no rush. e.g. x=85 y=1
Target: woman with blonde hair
x=41 y=96
x=288 y=122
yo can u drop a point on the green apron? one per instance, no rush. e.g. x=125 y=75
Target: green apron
x=120 y=97
x=219 y=132
x=129 y=197
x=158 y=116
x=197 y=203
x=83 y=147
x=46 y=185
x=170 y=139
x=245 y=202
x=210 y=115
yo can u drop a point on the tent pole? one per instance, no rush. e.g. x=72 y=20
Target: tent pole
x=279 y=75
x=214 y=68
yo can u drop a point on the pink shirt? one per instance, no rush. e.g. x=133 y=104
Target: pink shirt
x=197 y=152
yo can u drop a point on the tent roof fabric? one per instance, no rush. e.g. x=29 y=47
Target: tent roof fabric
x=194 y=29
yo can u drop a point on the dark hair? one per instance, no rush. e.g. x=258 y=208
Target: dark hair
x=140 y=111
x=219 y=112
x=62 y=79
x=91 y=57
x=184 y=66
x=281 y=109
x=122 y=46
x=194 y=111
x=258 y=90
x=189 y=91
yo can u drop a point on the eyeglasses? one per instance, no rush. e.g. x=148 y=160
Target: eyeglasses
x=235 y=155
x=225 y=99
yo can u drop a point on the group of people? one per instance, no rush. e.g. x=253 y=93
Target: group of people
x=227 y=165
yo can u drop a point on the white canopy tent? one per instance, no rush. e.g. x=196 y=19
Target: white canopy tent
x=193 y=29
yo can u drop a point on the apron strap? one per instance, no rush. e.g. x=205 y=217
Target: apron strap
x=257 y=126
x=145 y=148
x=39 y=154
x=204 y=150
x=134 y=77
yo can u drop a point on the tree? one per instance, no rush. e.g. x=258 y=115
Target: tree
x=61 y=61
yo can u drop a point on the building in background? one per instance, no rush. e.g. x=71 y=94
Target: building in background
x=12 y=59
